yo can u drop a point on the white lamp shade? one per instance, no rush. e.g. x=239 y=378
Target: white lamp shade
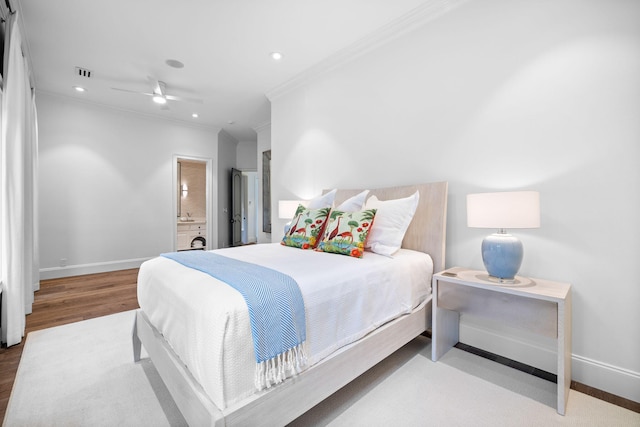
x=287 y=208
x=514 y=209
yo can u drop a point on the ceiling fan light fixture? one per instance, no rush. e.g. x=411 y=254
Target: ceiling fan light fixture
x=159 y=99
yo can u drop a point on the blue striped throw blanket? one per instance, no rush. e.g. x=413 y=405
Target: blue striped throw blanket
x=276 y=311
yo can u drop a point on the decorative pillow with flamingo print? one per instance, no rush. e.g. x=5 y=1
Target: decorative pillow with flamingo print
x=347 y=232
x=306 y=228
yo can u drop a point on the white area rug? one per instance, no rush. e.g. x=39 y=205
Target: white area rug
x=83 y=374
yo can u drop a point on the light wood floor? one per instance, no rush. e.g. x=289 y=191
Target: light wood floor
x=68 y=300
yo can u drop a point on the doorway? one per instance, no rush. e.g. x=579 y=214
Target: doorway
x=244 y=207
x=250 y=206
x=191 y=210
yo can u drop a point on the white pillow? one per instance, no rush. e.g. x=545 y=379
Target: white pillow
x=353 y=204
x=322 y=201
x=391 y=222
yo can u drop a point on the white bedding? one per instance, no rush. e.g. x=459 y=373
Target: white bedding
x=207 y=322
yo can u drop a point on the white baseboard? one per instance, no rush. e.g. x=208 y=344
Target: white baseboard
x=602 y=376
x=97 y=267
x=613 y=379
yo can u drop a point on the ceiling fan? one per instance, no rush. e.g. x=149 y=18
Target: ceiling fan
x=159 y=93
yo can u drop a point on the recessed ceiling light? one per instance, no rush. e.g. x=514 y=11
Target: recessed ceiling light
x=195 y=115
x=79 y=89
x=276 y=56
x=174 y=63
x=230 y=122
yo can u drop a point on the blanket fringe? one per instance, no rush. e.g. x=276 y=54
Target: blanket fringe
x=284 y=365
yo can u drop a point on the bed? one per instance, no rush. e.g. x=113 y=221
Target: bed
x=219 y=392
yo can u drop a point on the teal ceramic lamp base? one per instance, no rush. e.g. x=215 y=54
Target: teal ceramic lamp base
x=502 y=256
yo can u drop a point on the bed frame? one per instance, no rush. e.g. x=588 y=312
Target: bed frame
x=286 y=401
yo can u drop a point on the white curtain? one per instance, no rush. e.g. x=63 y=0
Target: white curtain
x=19 y=269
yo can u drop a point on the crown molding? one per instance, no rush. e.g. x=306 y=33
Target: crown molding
x=262 y=126
x=223 y=133
x=418 y=17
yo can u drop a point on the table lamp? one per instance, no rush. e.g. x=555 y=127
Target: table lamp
x=502 y=252
x=287 y=210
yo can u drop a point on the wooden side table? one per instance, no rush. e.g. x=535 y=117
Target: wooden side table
x=540 y=306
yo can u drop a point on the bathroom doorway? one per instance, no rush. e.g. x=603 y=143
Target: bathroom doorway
x=192 y=200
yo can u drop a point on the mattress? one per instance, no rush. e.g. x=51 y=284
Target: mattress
x=206 y=322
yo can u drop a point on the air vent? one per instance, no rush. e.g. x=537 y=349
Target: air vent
x=83 y=72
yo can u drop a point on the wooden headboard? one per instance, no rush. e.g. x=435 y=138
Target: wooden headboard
x=428 y=229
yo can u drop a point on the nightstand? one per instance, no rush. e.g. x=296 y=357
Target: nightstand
x=536 y=305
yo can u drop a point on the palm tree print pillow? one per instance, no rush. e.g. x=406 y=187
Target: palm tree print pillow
x=306 y=228
x=347 y=232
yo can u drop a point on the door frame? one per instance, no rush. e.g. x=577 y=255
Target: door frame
x=209 y=214
x=251 y=226
x=237 y=202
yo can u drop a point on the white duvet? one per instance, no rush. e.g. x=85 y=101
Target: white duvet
x=207 y=322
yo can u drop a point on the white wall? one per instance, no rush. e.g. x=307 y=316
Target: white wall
x=106 y=184
x=227 y=146
x=499 y=95
x=246 y=159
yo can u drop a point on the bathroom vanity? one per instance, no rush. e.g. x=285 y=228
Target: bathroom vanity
x=192 y=235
